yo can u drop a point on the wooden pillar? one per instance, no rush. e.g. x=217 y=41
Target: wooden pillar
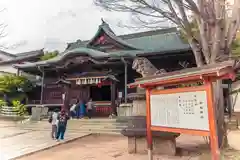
x=149 y=132
x=212 y=121
x=113 y=98
x=66 y=101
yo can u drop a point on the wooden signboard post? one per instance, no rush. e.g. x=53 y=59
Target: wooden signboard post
x=186 y=110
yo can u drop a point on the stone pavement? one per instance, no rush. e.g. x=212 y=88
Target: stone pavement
x=115 y=148
x=98 y=148
x=15 y=142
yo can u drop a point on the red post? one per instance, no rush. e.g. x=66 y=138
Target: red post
x=212 y=122
x=148 y=118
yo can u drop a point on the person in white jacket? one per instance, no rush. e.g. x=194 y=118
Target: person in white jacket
x=73 y=111
x=54 y=122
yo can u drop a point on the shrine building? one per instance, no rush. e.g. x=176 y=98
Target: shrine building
x=101 y=68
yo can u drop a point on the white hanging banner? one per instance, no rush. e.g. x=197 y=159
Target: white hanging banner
x=89 y=80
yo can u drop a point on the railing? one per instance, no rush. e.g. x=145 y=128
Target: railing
x=101 y=108
x=8 y=111
x=53 y=101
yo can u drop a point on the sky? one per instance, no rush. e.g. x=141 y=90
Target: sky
x=50 y=24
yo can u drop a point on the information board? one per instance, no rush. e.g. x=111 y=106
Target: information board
x=187 y=110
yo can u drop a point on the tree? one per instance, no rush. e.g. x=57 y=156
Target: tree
x=11 y=84
x=216 y=22
x=49 y=55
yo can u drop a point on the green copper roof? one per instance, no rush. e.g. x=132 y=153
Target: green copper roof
x=138 y=44
x=73 y=53
x=161 y=40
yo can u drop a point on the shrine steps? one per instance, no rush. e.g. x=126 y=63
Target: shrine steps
x=95 y=126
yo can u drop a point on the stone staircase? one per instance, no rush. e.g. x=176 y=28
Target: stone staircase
x=8 y=113
x=96 y=126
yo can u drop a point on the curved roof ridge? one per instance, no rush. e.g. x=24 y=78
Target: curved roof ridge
x=8 y=54
x=105 y=27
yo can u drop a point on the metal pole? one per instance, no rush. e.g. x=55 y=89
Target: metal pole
x=125 y=79
x=125 y=85
x=229 y=98
x=42 y=85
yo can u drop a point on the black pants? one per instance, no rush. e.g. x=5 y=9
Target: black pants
x=89 y=113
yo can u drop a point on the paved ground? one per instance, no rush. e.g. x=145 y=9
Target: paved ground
x=15 y=142
x=97 y=148
x=115 y=148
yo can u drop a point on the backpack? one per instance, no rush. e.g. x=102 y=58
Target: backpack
x=62 y=119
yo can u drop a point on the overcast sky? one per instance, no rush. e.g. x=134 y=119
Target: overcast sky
x=37 y=24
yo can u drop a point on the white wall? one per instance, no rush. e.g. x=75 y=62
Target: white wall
x=5 y=57
x=8 y=69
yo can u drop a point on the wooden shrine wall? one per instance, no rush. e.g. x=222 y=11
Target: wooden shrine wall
x=79 y=92
x=52 y=94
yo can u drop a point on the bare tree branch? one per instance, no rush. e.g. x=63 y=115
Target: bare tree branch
x=215 y=37
x=234 y=23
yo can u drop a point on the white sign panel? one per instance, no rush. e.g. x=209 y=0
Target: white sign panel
x=186 y=110
x=120 y=94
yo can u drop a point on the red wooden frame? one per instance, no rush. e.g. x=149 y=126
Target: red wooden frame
x=211 y=117
x=207 y=75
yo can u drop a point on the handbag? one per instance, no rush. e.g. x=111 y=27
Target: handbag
x=50 y=119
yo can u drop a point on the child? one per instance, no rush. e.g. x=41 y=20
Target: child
x=53 y=120
x=62 y=125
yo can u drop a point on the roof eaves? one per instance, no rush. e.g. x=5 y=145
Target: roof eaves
x=61 y=57
x=161 y=52
x=7 y=54
x=23 y=57
x=29 y=53
x=218 y=70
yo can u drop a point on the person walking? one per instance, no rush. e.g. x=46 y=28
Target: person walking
x=82 y=109
x=73 y=111
x=53 y=119
x=90 y=108
x=80 y=112
x=62 y=124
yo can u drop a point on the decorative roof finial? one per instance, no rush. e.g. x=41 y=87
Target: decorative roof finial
x=103 y=22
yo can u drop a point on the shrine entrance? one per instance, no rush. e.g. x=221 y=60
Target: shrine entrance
x=98 y=88
x=100 y=93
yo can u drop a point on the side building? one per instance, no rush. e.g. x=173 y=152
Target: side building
x=7 y=60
